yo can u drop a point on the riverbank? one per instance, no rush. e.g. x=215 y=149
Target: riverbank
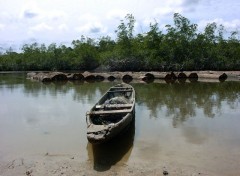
x=129 y=76
x=69 y=166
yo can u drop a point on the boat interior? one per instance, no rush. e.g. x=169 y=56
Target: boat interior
x=113 y=106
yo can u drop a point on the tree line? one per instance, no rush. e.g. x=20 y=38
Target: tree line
x=181 y=47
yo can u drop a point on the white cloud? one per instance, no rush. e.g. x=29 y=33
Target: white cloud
x=166 y=11
x=91 y=27
x=30 y=10
x=190 y=2
x=28 y=13
x=63 y=27
x=33 y=12
x=2 y=26
x=228 y=25
x=90 y=24
x=116 y=14
x=172 y=6
x=88 y=18
x=56 y=16
x=21 y=20
x=41 y=27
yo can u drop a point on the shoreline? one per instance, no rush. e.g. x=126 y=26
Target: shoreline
x=129 y=76
x=68 y=166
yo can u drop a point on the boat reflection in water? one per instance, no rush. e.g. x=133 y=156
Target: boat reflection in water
x=105 y=155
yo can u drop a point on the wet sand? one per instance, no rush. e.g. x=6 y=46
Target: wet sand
x=69 y=165
x=99 y=162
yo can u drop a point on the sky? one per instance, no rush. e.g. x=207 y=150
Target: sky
x=62 y=21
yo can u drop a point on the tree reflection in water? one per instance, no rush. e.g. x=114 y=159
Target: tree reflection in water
x=182 y=100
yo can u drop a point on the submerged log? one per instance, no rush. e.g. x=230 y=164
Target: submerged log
x=164 y=75
x=168 y=77
x=182 y=76
x=57 y=76
x=45 y=77
x=223 y=77
x=111 y=78
x=173 y=75
x=148 y=77
x=75 y=76
x=159 y=75
x=127 y=78
x=105 y=76
x=31 y=74
x=90 y=78
x=117 y=75
x=193 y=77
x=170 y=81
x=213 y=75
x=99 y=78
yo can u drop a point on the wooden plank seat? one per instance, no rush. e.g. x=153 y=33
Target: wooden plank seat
x=120 y=88
x=113 y=91
x=114 y=106
x=111 y=112
x=118 y=105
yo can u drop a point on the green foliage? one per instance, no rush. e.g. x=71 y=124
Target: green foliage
x=181 y=47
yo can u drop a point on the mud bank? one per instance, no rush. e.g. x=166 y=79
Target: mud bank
x=129 y=76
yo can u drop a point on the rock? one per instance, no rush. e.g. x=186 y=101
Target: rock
x=165 y=172
x=29 y=172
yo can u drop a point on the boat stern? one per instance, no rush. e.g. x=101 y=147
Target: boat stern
x=98 y=133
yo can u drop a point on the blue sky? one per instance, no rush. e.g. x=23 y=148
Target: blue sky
x=48 y=21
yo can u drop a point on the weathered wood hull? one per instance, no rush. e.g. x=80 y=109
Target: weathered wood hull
x=117 y=120
x=108 y=132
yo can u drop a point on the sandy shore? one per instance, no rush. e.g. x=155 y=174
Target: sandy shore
x=68 y=166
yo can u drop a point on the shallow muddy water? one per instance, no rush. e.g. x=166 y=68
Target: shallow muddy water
x=191 y=124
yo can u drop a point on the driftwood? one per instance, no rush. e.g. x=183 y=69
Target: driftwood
x=127 y=77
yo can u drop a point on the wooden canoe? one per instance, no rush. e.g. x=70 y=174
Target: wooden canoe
x=111 y=114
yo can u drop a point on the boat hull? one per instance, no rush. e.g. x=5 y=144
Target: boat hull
x=107 y=132
x=105 y=121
